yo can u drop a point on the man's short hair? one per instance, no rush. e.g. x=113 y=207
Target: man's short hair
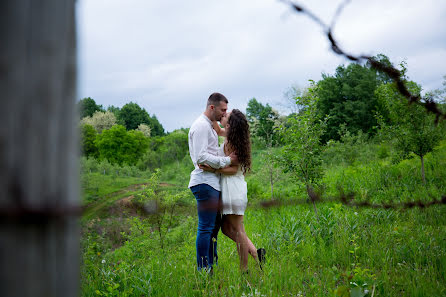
x=216 y=98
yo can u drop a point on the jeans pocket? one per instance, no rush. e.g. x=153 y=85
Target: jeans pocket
x=196 y=190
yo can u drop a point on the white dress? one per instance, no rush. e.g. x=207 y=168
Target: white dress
x=234 y=191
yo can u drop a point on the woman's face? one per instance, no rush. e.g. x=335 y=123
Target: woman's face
x=224 y=119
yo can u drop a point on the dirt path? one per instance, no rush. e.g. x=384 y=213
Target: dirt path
x=110 y=198
x=116 y=197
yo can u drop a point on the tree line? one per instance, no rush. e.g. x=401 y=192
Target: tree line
x=128 y=136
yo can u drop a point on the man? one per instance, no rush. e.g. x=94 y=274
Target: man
x=203 y=148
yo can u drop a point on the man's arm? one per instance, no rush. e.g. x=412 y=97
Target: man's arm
x=200 y=143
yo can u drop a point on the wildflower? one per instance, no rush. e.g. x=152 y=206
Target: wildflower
x=356 y=213
x=103 y=261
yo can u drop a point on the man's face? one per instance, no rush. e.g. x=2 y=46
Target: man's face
x=224 y=119
x=220 y=110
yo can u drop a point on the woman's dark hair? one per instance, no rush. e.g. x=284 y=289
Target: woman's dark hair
x=238 y=138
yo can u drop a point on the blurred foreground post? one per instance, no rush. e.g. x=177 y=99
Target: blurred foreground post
x=39 y=234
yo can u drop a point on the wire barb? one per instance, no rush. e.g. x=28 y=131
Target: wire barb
x=391 y=71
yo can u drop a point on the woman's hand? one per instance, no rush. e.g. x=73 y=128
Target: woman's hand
x=220 y=131
x=206 y=167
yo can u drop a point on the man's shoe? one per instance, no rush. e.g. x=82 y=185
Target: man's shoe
x=261 y=252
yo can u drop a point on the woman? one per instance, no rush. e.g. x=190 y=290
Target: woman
x=233 y=186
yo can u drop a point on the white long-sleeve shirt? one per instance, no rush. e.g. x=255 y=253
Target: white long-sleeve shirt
x=203 y=148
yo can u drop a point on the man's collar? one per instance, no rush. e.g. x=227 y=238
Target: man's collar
x=207 y=119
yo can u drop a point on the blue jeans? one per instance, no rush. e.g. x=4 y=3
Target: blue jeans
x=209 y=222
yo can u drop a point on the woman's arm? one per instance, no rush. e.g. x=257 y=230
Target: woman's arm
x=230 y=170
x=220 y=131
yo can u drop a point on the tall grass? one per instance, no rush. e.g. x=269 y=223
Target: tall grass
x=344 y=251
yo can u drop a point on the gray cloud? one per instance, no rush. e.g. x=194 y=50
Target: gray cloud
x=169 y=57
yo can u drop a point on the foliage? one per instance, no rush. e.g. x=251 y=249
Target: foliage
x=412 y=129
x=382 y=78
x=155 y=126
x=163 y=150
x=120 y=146
x=302 y=151
x=349 y=149
x=264 y=121
x=114 y=109
x=175 y=145
x=160 y=205
x=150 y=160
x=271 y=171
x=88 y=137
x=100 y=120
x=348 y=98
x=145 y=129
x=87 y=107
x=132 y=115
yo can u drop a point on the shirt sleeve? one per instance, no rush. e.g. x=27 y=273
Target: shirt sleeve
x=200 y=144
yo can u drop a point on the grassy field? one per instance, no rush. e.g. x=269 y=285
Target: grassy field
x=341 y=251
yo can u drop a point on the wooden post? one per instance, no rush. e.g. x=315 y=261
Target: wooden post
x=39 y=232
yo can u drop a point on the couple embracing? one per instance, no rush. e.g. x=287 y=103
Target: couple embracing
x=218 y=182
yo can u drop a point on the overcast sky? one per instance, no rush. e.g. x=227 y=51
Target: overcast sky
x=169 y=56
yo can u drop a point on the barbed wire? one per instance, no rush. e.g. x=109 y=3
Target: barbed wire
x=396 y=75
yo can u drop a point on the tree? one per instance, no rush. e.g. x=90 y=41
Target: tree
x=175 y=146
x=132 y=115
x=301 y=155
x=349 y=97
x=145 y=129
x=271 y=168
x=88 y=137
x=115 y=110
x=263 y=121
x=137 y=146
x=121 y=147
x=87 y=107
x=413 y=130
x=155 y=126
x=382 y=77
x=100 y=120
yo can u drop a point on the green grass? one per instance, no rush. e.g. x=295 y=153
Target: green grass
x=342 y=250
x=95 y=185
x=398 y=254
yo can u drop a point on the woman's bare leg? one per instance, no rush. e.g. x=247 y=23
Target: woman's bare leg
x=233 y=227
x=230 y=231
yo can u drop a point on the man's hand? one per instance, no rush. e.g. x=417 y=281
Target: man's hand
x=206 y=167
x=234 y=159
